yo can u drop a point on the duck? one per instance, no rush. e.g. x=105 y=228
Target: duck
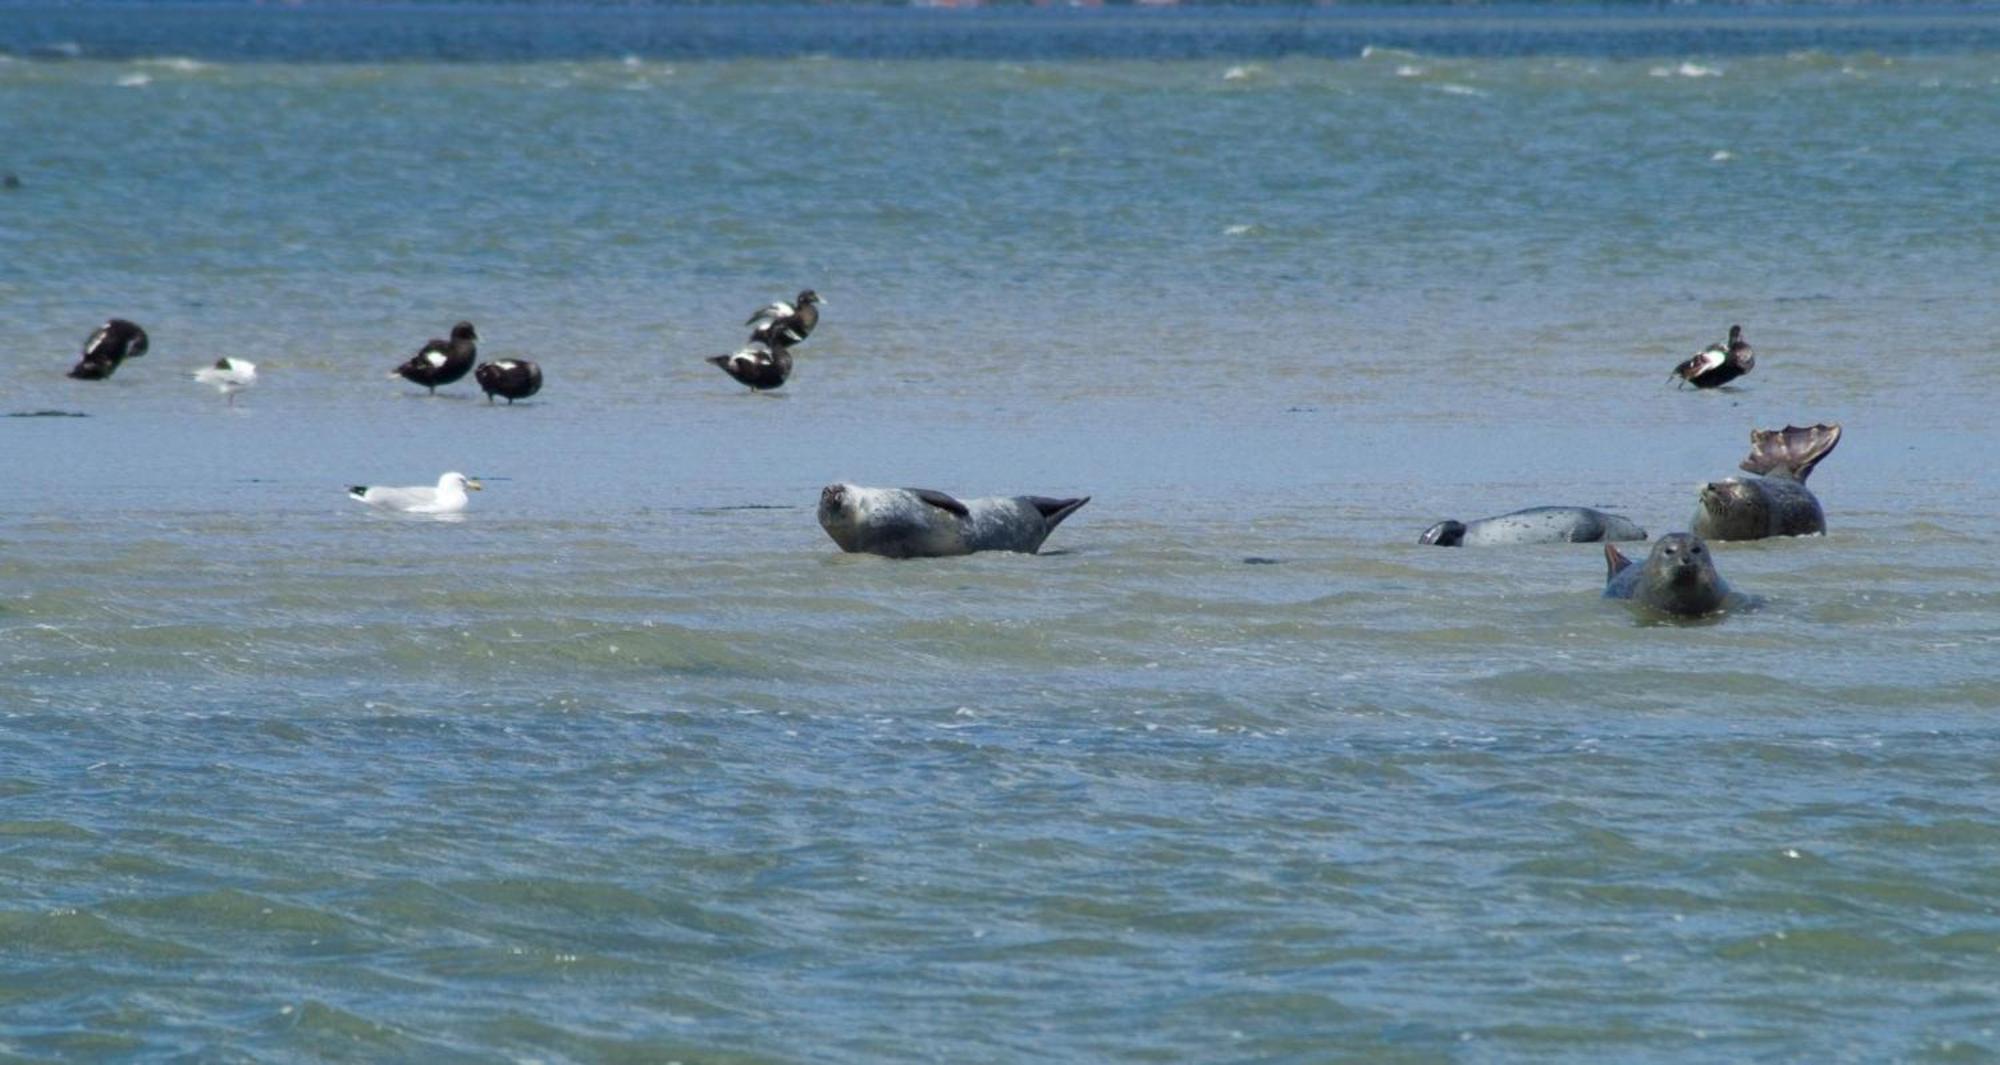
x=229 y=375
x=786 y=323
x=1718 y=364
x=759 y=365
x=440 y=362
x=107 y=348
x=448 y=497
x=512 y=378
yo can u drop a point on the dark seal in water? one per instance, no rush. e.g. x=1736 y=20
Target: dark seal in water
x=1678 y=578
x=1775 y=500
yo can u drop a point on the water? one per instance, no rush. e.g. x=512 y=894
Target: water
x=631 y=764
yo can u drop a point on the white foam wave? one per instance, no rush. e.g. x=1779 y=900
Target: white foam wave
x=1686 y=70
x=176 y=63
x=134 y=81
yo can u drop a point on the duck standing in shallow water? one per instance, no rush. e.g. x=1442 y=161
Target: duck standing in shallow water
x=781 y=323
x=761 y=366
x=113 y=342
x=440 y=362
x=229 y=375
x=512 y=378
x=1718 y=364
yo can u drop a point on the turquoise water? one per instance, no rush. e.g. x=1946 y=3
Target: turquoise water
x=631 y=764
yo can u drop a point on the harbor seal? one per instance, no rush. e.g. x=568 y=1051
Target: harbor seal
x=921 y=523
x=1774 y=501
x=1679 y=577
x=1535 y=525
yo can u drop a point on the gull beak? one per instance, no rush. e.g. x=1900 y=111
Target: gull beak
x=472 y=484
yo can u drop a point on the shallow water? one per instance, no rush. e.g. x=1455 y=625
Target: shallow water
x=630 y=763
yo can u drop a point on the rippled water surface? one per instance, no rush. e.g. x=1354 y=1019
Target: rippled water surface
x=631 y=764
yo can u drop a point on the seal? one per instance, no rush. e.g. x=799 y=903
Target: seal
x=1535 y=525
x=1774 y=501
x=921 y=523
x=1678 y=578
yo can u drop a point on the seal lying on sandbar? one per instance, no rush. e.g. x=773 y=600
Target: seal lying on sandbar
x=920 y=523
x=1677 y=578
x=1774 y=502
x=1535 y=525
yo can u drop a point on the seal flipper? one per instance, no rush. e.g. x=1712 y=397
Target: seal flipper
x=1614 y=561
x=940 y=500
x=1055 y=510
x=1793 y=450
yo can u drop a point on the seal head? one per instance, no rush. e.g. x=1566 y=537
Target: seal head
x=1678 y=577
x=1444 y=534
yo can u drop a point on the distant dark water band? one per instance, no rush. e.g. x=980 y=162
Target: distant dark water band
x=351 y=32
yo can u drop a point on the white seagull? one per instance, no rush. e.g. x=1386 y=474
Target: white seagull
x=229 y=375
x=447 y=498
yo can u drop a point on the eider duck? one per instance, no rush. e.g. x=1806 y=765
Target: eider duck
x=1718 y=364
x=113 y=342
x=447 y=498
x=512 y=378
x=757 y=364
x=786 y=323
x=440 y=362
x=229 y=375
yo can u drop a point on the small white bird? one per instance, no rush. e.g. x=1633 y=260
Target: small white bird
x=447 y=498
x=229 y=375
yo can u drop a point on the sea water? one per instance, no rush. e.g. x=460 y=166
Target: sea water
x=632 y=764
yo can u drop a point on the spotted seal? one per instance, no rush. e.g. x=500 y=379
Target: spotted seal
x=921 y=523
x=1535 y=525
x=1678 y=577
x=1774 y=501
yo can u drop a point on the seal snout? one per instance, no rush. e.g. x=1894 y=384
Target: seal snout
x=832 y=496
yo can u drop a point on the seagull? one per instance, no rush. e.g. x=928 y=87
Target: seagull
x=113 y=342
x=757 y=364
x=229 y=375
x=1718 y=364
x=440 y=362
x=513 y=378
x=447 y=498
x=786 y=323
